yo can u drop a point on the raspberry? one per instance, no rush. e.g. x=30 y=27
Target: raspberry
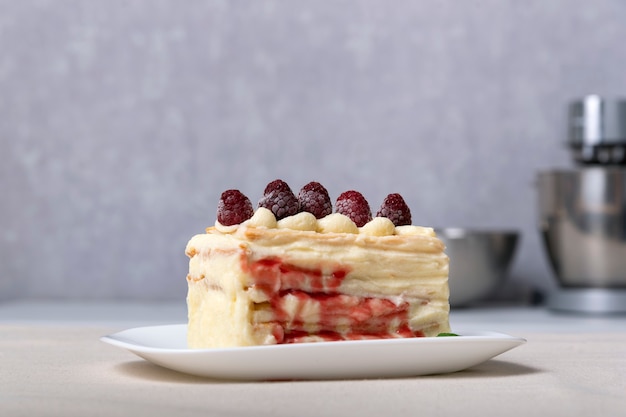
x=276 y=185
x=396 y=210
x=233 y=208
x=354 y=205
x=314 y=198
x=279 y=198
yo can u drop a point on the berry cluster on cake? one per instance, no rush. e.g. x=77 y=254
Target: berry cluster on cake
x=294 y=271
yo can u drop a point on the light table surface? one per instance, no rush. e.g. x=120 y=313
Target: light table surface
x=53 y=364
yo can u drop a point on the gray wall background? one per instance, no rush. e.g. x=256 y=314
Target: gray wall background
x=121 y=121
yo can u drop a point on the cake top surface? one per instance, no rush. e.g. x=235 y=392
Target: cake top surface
x=312 y=210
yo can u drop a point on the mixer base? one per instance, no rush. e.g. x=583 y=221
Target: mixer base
x=589 y=300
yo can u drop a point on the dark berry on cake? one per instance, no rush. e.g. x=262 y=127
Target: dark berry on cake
x=395 y=209
x=276 y=185
x=355 y=206
x=279 y=199
x=233 y=208
x=314 y=198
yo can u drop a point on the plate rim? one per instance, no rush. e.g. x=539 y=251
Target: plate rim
x=118 y=339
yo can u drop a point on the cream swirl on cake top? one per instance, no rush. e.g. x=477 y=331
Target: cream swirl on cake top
x=333 y=223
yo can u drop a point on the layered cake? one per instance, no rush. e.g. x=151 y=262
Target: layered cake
x=294 y=270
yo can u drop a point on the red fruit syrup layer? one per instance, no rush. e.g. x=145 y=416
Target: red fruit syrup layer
x=365 y=317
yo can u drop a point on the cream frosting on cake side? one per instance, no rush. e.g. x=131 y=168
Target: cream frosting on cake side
x=304 y=279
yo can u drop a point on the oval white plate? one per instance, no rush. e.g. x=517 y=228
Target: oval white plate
x=167 y=346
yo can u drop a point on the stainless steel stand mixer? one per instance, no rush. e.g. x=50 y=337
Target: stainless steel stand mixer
x=582 y=211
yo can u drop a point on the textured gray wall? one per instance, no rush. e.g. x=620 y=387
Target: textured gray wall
x=122 y=121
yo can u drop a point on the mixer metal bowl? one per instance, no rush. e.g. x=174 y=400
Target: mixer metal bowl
x=582 y=219
x=583 y=225
x=479 y=262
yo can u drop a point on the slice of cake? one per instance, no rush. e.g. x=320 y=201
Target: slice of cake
x=292 y=271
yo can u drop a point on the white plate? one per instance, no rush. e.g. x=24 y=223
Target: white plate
x=167 y=346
